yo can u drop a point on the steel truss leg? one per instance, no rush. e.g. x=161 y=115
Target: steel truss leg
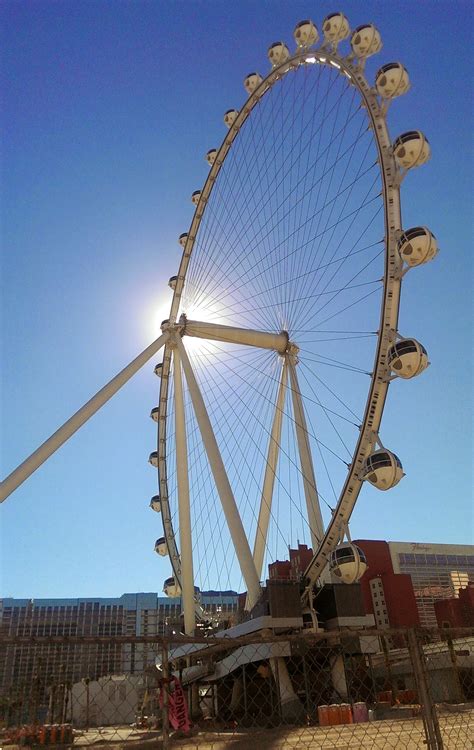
x=229 y=506
x=41 y=454
x=187 y=574
x=315 y=518
x=270 y=473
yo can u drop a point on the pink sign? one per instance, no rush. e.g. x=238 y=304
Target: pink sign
x=177 y=708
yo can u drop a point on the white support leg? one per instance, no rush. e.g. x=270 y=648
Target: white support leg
x=315 y=518
x=54 y=442
x=291 y=707
x=270 y=473
x=229 y=505
x=187 y=574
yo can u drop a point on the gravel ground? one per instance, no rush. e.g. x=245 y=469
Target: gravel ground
x=405 y=734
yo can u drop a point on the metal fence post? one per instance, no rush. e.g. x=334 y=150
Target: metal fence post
x=452 y=656
x=165 y=714
x=433 y=737
x=244 y=690
x=86 y=682
x=308 y=707
x=388 y=666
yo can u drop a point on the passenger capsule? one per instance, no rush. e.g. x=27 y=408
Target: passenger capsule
x=172 y=281
x=160 y=547
x=211 y=156
x=278 y=53
x=195 y=197
x=392 y=80
x=348 y=562
x=155 y=414
x=383 y=469
x=165 y=324
x=155 y=503
x=171 y=587
x=230 y=117
x=306 y=34
x=407 y=358
x=153 y=459
x=411 y=149
x=366 y=41
x=336 y=27
x=417 y=246
x=158 y=369
x=183 y=239
x=252 y=82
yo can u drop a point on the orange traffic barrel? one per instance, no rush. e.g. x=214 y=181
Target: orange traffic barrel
x=334 y=714
x=346 y=713
x=54 y=734
x=323 y=716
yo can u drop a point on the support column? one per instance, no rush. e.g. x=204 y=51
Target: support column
x=229 y=505
x=54 y=442
x=186 y=550
x=315 y=518
x=290 y=705
x=270 y=473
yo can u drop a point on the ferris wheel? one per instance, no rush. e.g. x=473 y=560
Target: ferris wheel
x=282 y=337
x=284 y=321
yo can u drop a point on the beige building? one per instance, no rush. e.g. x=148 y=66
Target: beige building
x=437 y=571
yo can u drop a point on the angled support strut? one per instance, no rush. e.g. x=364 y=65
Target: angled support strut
x=41 y=454
x=261 y=532
x=231 y=512
x=184 y=512
x=315 y=518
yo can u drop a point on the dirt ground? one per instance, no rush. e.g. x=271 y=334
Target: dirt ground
x=457 y=731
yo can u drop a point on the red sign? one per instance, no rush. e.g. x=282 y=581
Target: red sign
x=177 y=708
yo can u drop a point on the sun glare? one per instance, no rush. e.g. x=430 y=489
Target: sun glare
x=157 y=314
x=203 y=312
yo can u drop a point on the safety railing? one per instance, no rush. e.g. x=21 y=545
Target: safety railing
x=343 y=688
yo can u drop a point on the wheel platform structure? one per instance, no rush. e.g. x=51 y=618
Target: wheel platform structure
x=284 y=320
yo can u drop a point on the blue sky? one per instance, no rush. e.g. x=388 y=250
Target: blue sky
x=108 y=111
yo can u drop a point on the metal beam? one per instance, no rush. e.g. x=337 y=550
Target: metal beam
x=270 y=473
x=234 y=522
x=244 y=336
x=184 y=511
x=41 y=454
x=315 y=518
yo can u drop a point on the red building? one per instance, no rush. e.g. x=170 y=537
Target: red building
x=293 y=568
x=456 y=613
x=389 y=596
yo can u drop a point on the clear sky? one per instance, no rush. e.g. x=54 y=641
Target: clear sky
x=108 y=111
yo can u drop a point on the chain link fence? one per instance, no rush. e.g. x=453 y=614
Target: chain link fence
x=334 y=689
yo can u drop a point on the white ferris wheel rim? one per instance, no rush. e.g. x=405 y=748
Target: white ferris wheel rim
x=389 y=311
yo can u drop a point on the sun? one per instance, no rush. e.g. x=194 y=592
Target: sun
x=156 y=313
